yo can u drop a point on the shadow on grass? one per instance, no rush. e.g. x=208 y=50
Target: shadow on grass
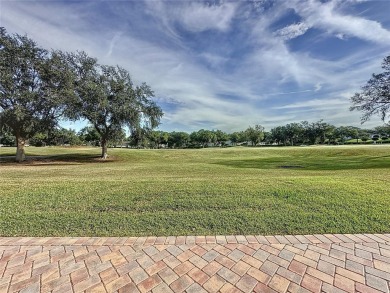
x=312 y=163
x=60 y=159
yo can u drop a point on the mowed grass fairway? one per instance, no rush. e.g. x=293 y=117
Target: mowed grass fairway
x=289 y=190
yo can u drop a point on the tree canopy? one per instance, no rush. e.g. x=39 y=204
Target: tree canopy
x=255 y=134
x=106 y=97
x=33 y=84
x=374 y=99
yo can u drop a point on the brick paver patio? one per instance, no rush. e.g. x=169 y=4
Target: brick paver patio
x=301 y=263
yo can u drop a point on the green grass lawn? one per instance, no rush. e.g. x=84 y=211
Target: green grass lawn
x=292 y=190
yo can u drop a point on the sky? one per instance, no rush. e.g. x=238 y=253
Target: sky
x=224 y=64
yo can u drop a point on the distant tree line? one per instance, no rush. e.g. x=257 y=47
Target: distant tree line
x=292 y=134
x=38 y=88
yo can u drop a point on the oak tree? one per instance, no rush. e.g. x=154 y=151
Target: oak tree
x=375 y=95
x=33 y=86
x=106 y=97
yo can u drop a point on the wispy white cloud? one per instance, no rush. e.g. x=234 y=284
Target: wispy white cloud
x=317 y=104
x=113 y=41
x=292 y=31
x=328 y=16
x=194 y=16
x=318 y=87
x=340 y=36
x=198 y=17
x=288 y=93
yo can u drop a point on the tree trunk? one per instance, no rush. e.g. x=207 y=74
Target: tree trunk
x=20 y=153
x=104 y=149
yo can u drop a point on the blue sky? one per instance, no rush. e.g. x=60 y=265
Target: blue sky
x=224 y=64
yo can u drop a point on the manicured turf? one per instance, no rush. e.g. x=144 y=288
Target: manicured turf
x=293 y=190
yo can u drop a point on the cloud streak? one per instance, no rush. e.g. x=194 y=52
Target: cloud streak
x=292 y=31
x=328 y=16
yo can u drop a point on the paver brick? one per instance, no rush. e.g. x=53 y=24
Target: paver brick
x=225 y=261
x=262 y=288
x=21 y=276
x=361 y=288
x=168 y=275
x=181 y=284
x=183 y=268
x=49 y=286
x=332 y=260
x=161 y=255
x=363 y=254
x=354 y=267
x=269 y=268
x=246 y=249
x=49 y=274
x=236 y=255
x=145 y=261
x=311 y=283
x=210 y=255
x=307 y=261
x=344 y=283
x=222 y=250
x=328 y=288
x=149 y=283
x=326 y=267
x=229 y=288
x=294 y=288
x=320 y=275
x=155 y=268
x=82 y=273
x=247 y=284
x=313 y=255
x=343 y=249
x=171 y=261
x=228 y=275
x=286 y=255
x=377 y=283
x=240 y=268
x=252 y=261
x=279 y=283
x=212 y=268
x=289 y=275
x=273 y=248
x=261 y=255
x=297 y=267
x=279 y=261
x=350 y=275
x=383 y=266
x=138 y=275
x=198 y=276
x=231 y=239
x=185 y=255
x=162 y=288
x=259 y=275
x=378 y=273
x=360 y=260
x=214 y=284
x=87 y=283
x=195 y=288
x=199 y=250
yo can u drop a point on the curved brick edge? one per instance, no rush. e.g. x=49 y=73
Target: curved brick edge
x=180 y=240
